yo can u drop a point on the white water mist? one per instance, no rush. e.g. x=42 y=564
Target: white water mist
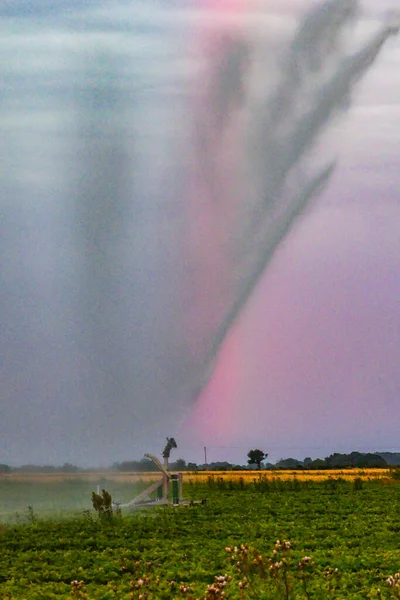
x=152 y=165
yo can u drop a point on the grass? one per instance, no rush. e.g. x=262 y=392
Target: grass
x=338 y=524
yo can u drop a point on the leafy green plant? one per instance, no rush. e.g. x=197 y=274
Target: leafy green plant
x=258 y=574
x=332 y=578
x=32 y=518
x=102 y=504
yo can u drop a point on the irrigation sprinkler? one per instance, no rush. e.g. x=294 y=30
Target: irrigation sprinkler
x=168 y=486
x=168 y=482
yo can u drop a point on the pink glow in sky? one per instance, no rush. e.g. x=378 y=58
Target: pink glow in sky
x=96 y=314
x=311 y=366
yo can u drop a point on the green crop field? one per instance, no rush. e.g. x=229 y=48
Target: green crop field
x=338 y=539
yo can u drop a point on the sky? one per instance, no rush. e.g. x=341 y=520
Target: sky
x=125 y=239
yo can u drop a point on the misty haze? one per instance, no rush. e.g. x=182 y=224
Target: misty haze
x=187 y=248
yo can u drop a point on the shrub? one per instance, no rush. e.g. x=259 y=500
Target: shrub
x=102 y=504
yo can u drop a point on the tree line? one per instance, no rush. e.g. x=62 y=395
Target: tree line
x=256 y=458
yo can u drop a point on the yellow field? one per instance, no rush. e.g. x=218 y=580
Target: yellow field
x=200 y=476
x=249 y=476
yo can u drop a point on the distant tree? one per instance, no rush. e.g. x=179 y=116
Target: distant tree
x=4 y=468
x=319 y=463
x=307 y=462
x=368 y=460
x=192 y=466
x=338 y=460
x=375 y=461
x=126 y=466
x=179 y=465
x=68 y=468
x=255 y=457
x=289 y=463
x=269 y=466
x=218 y=466
x=171 y=443
x=391 y=458
x=37 y=469
x=145 y=464
x=355 y=460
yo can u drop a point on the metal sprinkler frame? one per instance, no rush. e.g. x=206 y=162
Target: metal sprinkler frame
x=161 y=487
